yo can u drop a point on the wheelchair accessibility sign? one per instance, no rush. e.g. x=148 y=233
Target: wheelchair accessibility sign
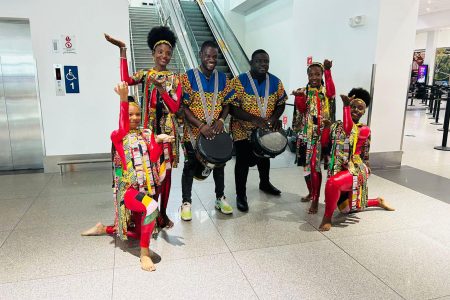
x=71 y=79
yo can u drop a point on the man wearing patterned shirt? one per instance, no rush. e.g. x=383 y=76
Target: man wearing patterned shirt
x=196 y=82
x=247 y=116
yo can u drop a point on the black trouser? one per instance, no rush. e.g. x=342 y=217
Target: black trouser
x=245 y=158
x=188 y=175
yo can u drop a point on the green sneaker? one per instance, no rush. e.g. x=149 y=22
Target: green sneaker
x=186 y=214
x=223 y=206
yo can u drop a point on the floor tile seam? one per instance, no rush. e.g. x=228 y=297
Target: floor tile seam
x=77 y=193
x=54 y=276
x=373 y=233
x=228 y=247
x=28 y=208
x=177 y=259
x=442 y=297
x=364 y=267
x=59 y=225
x=276 y=246
x=410 y=189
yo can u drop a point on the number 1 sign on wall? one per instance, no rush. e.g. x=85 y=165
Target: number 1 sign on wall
x=71 y=79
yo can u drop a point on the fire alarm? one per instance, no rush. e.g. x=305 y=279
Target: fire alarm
x=357 y=21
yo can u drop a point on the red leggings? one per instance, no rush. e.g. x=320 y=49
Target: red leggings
x=133 y=203
x=164 y=192
x=341 y=182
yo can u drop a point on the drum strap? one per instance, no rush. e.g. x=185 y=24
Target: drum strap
x=262 y=106
x=209 y=115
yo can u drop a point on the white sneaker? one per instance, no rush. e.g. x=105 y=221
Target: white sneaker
x=186 y=214
x=223 y=205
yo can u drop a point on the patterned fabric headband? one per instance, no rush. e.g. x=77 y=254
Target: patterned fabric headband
x=162 y=42
x=316 y=64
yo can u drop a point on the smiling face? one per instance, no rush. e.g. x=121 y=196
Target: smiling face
x=357 y=109
x=260 y=64
x=162 y=55
x=315 y=76
x=134 y=113
x=208 y=58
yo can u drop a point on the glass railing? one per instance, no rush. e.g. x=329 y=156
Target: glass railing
x=231 y=48
x=170 y=11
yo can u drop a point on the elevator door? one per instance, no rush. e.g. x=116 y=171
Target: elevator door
x=20 y=119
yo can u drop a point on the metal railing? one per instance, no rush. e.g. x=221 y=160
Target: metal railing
x=170 y=11
x=231 y=48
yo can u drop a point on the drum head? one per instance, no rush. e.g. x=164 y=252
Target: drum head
x=217 y=150
x=269 y=143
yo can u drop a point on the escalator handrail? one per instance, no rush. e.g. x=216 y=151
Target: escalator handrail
x=221 y=41
x=163 y=19
x=178 y=19
x=229 y=28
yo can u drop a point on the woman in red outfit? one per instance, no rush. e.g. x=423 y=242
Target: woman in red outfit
x=138 y=177
x=349 y=168
x=161 y=98
x=313 y=111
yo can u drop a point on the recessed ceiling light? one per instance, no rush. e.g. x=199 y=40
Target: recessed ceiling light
x=428 y=9
x=429 y=1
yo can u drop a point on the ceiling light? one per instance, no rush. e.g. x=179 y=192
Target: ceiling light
x=428 y=9
x=429 y=1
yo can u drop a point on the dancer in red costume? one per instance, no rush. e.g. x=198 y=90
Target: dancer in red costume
x=161 y=100
x=313 y=105
x=349 y=168
x=138 y=177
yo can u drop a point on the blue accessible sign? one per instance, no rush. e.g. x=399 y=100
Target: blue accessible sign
x=71 y=79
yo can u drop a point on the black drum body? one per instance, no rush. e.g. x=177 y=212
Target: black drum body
x=267 y=143
x=212 y=153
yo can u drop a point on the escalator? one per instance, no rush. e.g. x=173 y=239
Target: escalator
x=202 y=32
x=199 y=21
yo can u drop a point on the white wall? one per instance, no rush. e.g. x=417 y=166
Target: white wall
x=290 y=35
x=433 y=21
x=421 y=41
x=235 y=21
x=395 y=43
x=77 y=123
x=443 y=38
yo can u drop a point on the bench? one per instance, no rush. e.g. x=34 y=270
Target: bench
x=81 y=161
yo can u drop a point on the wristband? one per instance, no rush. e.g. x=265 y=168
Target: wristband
x=201 y=126
x=221 y=120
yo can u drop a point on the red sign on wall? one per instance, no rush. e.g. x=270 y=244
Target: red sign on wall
x=309 y=60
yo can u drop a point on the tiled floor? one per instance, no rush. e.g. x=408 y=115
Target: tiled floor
x=274 y=251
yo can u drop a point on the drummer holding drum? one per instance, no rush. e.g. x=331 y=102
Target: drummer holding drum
x=207 y=146
x=257 y=102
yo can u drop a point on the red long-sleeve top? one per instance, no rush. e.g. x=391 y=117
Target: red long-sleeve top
x=300 y=101
x=154 y=149
x=364 y=130
x=172 y=104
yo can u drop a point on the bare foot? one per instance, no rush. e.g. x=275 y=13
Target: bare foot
x=382 y=203
x=313 y=208
x=306 y=198
x=325 y=225
x=146 y=262
x=163 y=221
x=98 y=229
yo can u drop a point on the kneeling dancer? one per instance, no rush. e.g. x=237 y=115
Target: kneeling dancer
x=349 y=166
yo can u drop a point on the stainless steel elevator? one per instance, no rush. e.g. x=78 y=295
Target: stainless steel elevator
x=21 y=145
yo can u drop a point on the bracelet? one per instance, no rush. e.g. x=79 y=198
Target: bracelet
x=222 y=120
x=123 y=48
x=201 y=126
